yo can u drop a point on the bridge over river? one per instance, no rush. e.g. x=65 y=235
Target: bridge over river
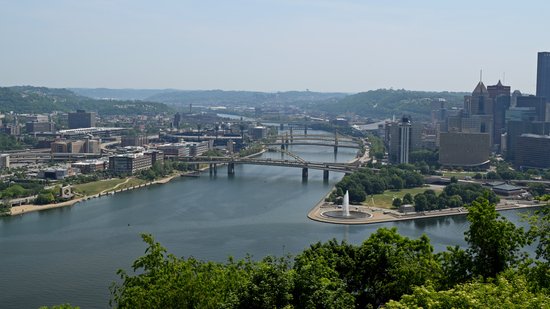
x=326 y=167
x=336 y=141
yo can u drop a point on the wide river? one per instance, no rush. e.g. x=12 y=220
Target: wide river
x=71 y=255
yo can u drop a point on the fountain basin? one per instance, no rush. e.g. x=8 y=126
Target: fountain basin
x=339 y=214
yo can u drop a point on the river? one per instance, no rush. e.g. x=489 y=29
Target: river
x=71 y=255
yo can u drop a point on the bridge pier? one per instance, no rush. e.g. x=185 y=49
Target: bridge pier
x=231 y=169
x=305 y=130
x=213 y=168
x=325 y=175
x=291 y=135
x=281 y=126
x=304 y=173
x=335 y=148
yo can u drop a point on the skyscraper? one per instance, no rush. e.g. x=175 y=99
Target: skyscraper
x=500 y=95
x=543 y=75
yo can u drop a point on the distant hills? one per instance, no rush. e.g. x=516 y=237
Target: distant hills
x=211 y=97
x=28 y=99
x=383 y=103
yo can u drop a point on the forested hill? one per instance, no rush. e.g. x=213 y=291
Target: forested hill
x=383 y=103
x=28 y=99
x=251 y=98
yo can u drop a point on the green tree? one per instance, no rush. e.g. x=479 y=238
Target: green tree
x=161 y=280
x=501 y=293
x=407 y=198
x=420 y=202
x=396 y=183
x=396 y=202
x=495 y=242
x=390 y=265
x=270 y=285
x=537 y=189
x=44 y=198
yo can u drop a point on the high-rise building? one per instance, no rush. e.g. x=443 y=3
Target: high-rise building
x=479 y=103
x=82 y=119
x=501 y=97
x=403 y=137
x=543 y=75
x=540 y=104
x=177 y=120
x=404 y=141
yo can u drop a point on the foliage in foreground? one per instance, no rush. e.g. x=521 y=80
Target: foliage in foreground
x=510 y=291
x=386 y=269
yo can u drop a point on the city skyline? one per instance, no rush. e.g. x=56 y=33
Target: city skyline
x=346 y=46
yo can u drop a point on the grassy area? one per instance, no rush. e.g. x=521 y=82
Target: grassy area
x=460 y=175
x=132 y=182
x=95 y=187
x=385 y=199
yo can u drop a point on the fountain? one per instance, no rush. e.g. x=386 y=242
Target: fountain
x=345 y=205
x=345 y=213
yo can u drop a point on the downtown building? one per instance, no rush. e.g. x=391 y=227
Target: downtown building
x=543 y=75
x=129 y=163
x=469 y=134
x=533 y=151
x=402 y=137
x=82 y=119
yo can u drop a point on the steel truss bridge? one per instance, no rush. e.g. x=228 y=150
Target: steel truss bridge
x=326 y=167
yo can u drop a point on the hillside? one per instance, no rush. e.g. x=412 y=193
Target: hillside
x=383 y=103
x=119 y=94
x=27 y=99
x=250 y=98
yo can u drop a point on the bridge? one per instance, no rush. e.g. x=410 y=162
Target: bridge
x=338 y=141
x=326 y=167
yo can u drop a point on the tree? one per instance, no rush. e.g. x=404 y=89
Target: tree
x=396 y=183
x=389 y=265
x=407 y=198
x=503 y=292
x=454 y=179
x=163 y=281
x=270 y=284
x=537 y=189
x=396 y=202
x=44 y=198
x=454 y=201
x=420 y=202
x=495 y=242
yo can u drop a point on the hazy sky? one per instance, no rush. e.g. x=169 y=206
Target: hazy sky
x=271 y=45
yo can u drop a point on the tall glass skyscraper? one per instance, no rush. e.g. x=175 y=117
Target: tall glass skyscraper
x=543 y=75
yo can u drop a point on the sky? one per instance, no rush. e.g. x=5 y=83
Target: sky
x=272 y=45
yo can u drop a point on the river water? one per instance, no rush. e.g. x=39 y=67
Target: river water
x=71 y=255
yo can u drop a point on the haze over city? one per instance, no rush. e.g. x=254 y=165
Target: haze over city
x=348 y=46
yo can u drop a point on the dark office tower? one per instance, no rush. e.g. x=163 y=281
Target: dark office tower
x=82 y=119
x=500 y=95
x=539 y=104
x=543 y=75
x=177 y=120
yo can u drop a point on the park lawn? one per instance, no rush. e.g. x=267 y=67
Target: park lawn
x=132 y=183
x=385 y=199
x=92 y=188
x=460 y=175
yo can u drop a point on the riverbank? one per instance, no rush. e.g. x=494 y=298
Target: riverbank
x=27 y=208
x=382 y=215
